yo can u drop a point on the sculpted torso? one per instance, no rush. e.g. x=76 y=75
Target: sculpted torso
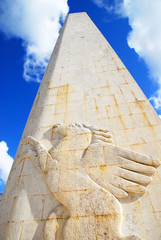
x=88 y=175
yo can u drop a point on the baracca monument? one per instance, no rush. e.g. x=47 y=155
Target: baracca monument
x=87 y=166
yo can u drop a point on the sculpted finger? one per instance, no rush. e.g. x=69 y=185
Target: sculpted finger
x=88 y=126
x=140 y=158
x=127 y=186
x=133 y=176
x=92 y=128
x=98 y=137
x=78 y=124
x=137 y=167
x=107 y=135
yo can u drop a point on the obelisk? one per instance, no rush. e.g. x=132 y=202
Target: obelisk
x=87 y=166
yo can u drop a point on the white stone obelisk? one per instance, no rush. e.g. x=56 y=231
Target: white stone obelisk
x=85 y=82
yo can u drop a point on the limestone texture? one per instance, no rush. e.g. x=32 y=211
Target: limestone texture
x=88 y=164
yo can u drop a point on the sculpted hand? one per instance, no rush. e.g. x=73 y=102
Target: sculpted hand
x=99 y=135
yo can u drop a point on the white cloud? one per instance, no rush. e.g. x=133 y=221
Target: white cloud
x=145 y=36
x=99 y=3
x=37 y=23
x=5 y=161
x=110 y=6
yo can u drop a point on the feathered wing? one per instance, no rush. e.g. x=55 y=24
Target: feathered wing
x=125 y=172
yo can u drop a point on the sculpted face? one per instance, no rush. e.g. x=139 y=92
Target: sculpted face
x=71 y=129
x=70 y=137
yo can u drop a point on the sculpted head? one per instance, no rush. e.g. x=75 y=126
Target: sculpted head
x=70 y=129
x=78 y=136
x=71 y=136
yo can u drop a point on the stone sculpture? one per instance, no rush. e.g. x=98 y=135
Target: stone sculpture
x=88 y=175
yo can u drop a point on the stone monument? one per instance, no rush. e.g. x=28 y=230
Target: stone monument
x=87 y=167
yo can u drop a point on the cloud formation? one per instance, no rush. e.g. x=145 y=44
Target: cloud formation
x=37 y=23
x=5 y=161
x=114 y=6
x=145 y=37
x=144 y=18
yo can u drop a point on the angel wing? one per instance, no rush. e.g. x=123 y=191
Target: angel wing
x=123 y=171
x=128 y=171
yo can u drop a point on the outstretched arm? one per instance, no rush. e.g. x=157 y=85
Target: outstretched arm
x=99 y=135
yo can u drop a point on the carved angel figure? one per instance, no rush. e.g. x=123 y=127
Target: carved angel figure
x=88 y=175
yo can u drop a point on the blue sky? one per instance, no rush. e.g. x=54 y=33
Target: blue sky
x=28 y=31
